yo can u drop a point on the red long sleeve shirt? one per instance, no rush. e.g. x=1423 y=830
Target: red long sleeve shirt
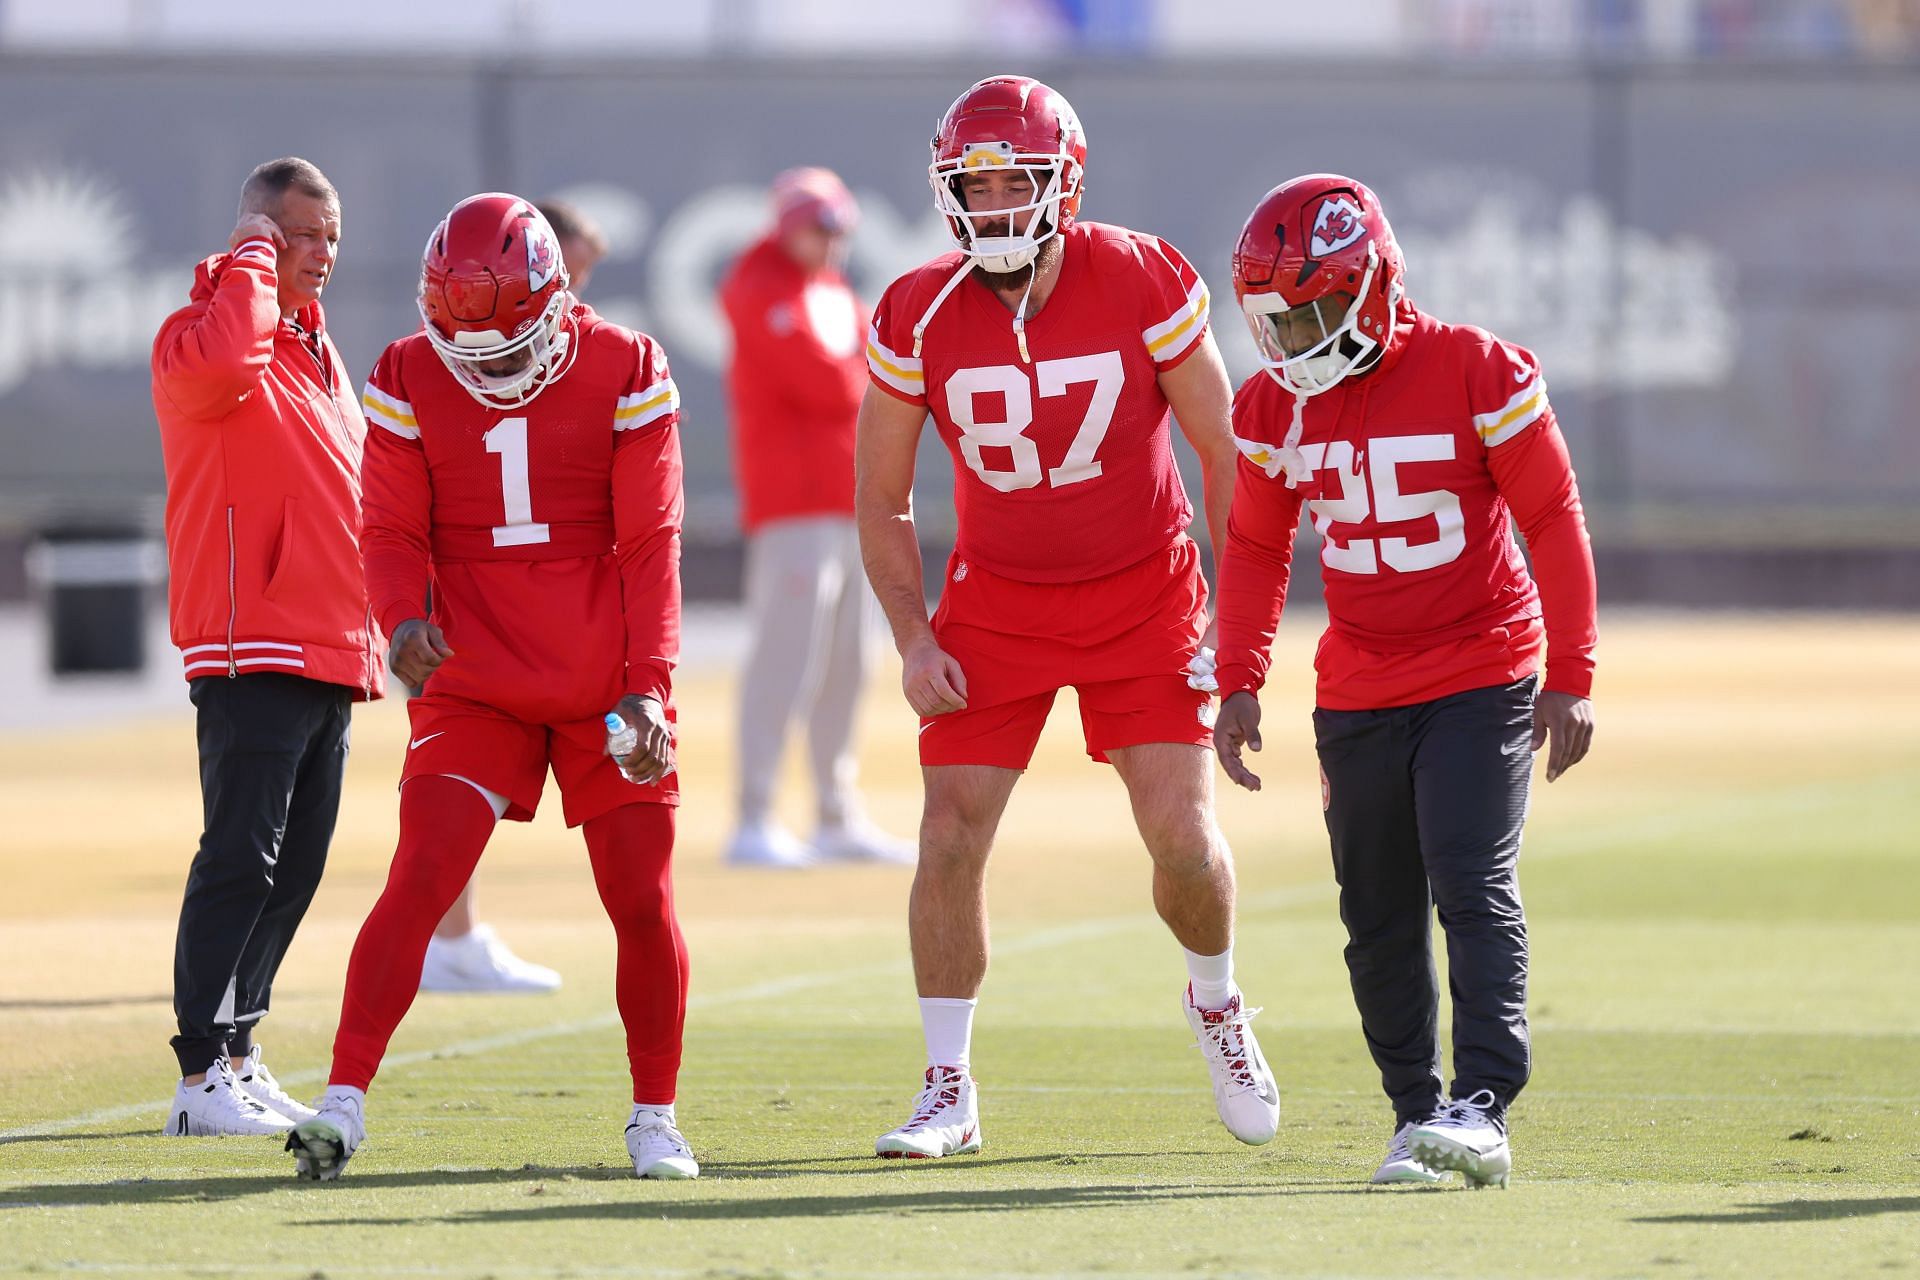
x=795 y=381
x=1413 y=475
x=551 y=530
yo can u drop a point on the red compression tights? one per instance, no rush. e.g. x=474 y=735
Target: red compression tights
x=444 y=826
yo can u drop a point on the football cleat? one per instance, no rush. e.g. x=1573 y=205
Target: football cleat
x=258 y=1083
x=945 y=1120
x=658 y=1149
x=480 y=963
x=1400 y=1167
x=1466 y=1136
x=218 y=1108
x=1244 y=1090
x=860 y=841
x=322 y=1146
x=767 y=844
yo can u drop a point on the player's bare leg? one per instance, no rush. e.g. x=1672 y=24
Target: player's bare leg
x=947 y=913
x=947 y=921
x=1171 y=787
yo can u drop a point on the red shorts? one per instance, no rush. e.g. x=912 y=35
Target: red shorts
x=1122 y=642
x=473 y=741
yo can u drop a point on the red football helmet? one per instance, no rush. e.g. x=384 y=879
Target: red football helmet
x=1009 y=122
x=1319 y=278
x=493 y=294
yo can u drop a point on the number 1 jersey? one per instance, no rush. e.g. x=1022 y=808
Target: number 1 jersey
x=551 y=529
x=1063 y=466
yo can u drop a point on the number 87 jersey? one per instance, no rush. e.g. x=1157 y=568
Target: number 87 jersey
x=550 y=527
x=1063 y=464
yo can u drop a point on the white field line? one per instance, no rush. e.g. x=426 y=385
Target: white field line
x=1587 y=839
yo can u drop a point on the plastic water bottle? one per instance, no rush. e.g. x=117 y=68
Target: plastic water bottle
x=622 y=738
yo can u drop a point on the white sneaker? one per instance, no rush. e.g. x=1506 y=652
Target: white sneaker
x=1465 y=1136
x=658 y=1149
x=861 y=841
x=217 y=1108
x=480 y=962
x=1400 y=1166
x=945 y=1120
x=767 y=844
x=1244 y=1090
x=258 y=1083
x=322 y=1146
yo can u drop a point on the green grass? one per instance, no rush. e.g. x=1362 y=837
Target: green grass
x=1727 y=1065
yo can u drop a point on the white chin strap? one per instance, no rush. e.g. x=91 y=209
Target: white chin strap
x=953 y=282
x=1004 y=254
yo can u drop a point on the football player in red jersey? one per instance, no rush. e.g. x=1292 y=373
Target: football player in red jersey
x=526 y=456
x=1414 y=445
x=1048 y=352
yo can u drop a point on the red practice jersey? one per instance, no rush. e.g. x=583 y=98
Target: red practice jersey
x=551 y=530
x=1413 y=474
x=1063 y=468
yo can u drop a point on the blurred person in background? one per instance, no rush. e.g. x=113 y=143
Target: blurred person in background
x=262 y=439
x=1053 y=356
x=465 y=954
x=1416 y=445
x=795 y=380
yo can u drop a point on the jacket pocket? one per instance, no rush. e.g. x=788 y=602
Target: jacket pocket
x=280 y=570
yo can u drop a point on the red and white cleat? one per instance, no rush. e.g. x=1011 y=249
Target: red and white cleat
x=945 y=1120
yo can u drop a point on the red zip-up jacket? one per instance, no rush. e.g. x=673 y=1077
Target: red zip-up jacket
x=795 y=380
x=262 y=436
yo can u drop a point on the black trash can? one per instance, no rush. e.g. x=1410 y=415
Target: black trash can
x=94 y=591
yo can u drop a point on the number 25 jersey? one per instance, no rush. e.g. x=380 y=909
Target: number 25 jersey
x=1063 y=467
x=551 y=529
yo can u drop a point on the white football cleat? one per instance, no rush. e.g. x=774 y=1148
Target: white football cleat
x=767 y=844
x=1465 y=1136
x=1400 y=1166
x=658 y=1149
x=218 y=1108
x=861 y=841
x=322 y=1146
x=258 y=1083
x=1244 y=1090
x=945 y=1120
x=479 y=962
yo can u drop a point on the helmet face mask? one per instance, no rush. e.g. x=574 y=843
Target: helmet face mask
x=1000 y=125
x=1318 y=275
x=494 y=300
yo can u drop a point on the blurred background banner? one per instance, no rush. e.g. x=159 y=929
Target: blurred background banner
x=1699 y=215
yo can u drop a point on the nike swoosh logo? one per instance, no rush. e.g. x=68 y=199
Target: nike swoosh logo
x=928 y=725
x=1521 y=375
x=422 y=741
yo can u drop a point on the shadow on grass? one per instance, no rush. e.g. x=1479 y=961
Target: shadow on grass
x=718 y=1177
x=77 y=1137
x=1797 y=1211
x=890 y=1204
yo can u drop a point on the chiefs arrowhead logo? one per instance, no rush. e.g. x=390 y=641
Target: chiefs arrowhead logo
x=543 y=254
x=1338 y=224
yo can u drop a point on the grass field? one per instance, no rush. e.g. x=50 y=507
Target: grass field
x=1726 y=910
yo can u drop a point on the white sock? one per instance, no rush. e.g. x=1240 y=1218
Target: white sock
x=948 y=1026
x=648 y=1110
x=346 y=1091
x=1211 y=977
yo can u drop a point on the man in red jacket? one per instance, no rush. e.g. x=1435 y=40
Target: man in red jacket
x=796 y=381
x=262 y=438
x=1415 y=445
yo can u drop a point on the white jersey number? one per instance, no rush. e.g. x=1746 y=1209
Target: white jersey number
x=509 y=440
x=1104 y=371
x=1351 y=506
